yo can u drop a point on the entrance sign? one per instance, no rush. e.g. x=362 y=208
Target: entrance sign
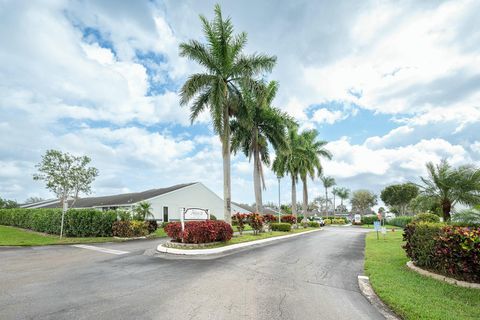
x=196 y=214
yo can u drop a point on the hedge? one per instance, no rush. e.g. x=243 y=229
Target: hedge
x=369 y=220
x=400 y=221
x=449 y=250
x=284 y=226
x=426 y=217
x=78 y=222
x=313 y=224
x=200 y=231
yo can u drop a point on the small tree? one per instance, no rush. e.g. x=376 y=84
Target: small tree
x=363 y=200
x=65 y=175
x=399 y=195
x=143 y=211
x=33 y=200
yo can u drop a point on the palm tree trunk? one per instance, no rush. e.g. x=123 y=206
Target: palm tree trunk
x=446 y=208
x=334 y=204
x=256 y=182
x=227 y=188
x=326 y=200
x=294 y=197
x=305 y=198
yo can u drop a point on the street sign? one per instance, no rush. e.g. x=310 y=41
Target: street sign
x=196 y=214
x=376 y=225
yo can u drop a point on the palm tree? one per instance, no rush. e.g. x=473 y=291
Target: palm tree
x=448 y=186
x=143 y=210
x=344 y=194
x=312 y=151
x=287 y=162
x=335 y=192
x=257 y=125
x=216 y=89
x=327 y=183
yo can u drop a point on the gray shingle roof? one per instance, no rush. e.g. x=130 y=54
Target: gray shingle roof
x=119 y=199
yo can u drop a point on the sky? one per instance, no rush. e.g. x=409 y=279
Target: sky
x=390 y=86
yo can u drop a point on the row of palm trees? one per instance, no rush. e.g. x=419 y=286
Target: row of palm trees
x=233 y=90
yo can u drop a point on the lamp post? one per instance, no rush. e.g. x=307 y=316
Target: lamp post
x=279 y=208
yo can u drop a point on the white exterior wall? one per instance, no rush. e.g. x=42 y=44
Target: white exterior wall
x=194 y=196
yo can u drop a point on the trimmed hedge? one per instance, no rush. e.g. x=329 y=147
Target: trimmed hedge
x=200 y=231
x=284 y=226
x=426 y=217
x=78 y=222
x=449 y=250
x=369 y=220
x=400 y=221
x=313 y=224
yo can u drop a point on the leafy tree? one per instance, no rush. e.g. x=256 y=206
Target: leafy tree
x=421 y=204
x=33 y=200
x=399 y=195
x=143 y=211
x=66 y=175
x=327 y=182
x=217 y=88
x=468 y=216
x=8 y=204
x=363 y=200
x=448 y=186
x=259 y=124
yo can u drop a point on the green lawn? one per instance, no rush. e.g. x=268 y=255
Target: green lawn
x=247 y=237
x=409 y=294
x=11 y=236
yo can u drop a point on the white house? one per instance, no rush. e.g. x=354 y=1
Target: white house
x=167 y=203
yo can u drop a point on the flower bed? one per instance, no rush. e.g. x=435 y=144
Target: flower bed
x=448 y=250
x=200 y=231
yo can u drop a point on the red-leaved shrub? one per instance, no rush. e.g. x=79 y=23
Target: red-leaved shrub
x=288 y=219
x=200 y=231
x=269 y=218
x=255 y=221
x=239 y=220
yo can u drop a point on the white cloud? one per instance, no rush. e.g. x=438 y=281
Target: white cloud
x=324 y=115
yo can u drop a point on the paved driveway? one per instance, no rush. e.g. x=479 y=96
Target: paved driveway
x=312 y=276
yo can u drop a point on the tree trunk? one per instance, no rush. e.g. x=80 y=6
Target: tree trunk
x=326 y=201
x=305 y=198
x=334 y=204
x=294 y=197
x=227 y=188
x=446 y=208
x=257 y=183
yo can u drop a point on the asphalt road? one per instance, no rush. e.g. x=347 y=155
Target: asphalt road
x=312 y=276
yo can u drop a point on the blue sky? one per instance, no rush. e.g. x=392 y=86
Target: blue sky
x=390 y=85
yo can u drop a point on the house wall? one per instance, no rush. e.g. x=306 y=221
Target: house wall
x=194 y=196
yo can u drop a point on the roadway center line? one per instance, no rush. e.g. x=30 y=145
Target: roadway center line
x=100 y=249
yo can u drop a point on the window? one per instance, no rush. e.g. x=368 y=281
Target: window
x=165 y=214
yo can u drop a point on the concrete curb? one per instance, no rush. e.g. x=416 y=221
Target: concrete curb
x=368 y=292
x=440 y=277
x=203 y=252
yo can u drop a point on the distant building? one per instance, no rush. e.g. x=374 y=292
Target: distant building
x=166 y=203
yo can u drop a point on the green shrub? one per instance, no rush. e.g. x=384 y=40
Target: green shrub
x=420 y=242
x=151 y=225
x=213 y=217
x=400 y=221
x=327 y=221
x=369 y=220
x=122 y=229
x=164 y=224
x=78 y=222
x=139 y=228
x=338 y=221
x=426 y=217
x=283 y=226
x=313 y=224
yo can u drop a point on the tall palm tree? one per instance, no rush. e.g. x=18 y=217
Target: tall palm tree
x=258 y=125
x=335 y=193
x=344 y=194
x=310 y=164
x=448 y=186
x=327 y=183
x=216 y=89
x=287 y=162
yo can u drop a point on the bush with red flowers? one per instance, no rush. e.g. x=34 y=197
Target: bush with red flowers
x=449 y=250
x=288 y=219
x=200 y=231
x=239 y=220
x=255 y=220
x=269 y=218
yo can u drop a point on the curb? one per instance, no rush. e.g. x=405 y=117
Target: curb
x=440 y=277
x=203 y=252
x=368 y=292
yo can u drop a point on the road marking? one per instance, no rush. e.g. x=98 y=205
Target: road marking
x=100 y=249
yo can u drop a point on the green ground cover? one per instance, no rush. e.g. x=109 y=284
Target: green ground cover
x=409 y=294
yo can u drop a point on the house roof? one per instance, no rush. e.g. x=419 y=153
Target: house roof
x=113 y=200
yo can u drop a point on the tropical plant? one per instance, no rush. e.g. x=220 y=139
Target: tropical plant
x=335 y=192
x=448 y=186
x=143 y=211
x=309 y=162
x=8 y=204
x=327 y=182
x=344 y=194
x=217 y=88
x=399 y=195
x=259 y=124
x=468 y=216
